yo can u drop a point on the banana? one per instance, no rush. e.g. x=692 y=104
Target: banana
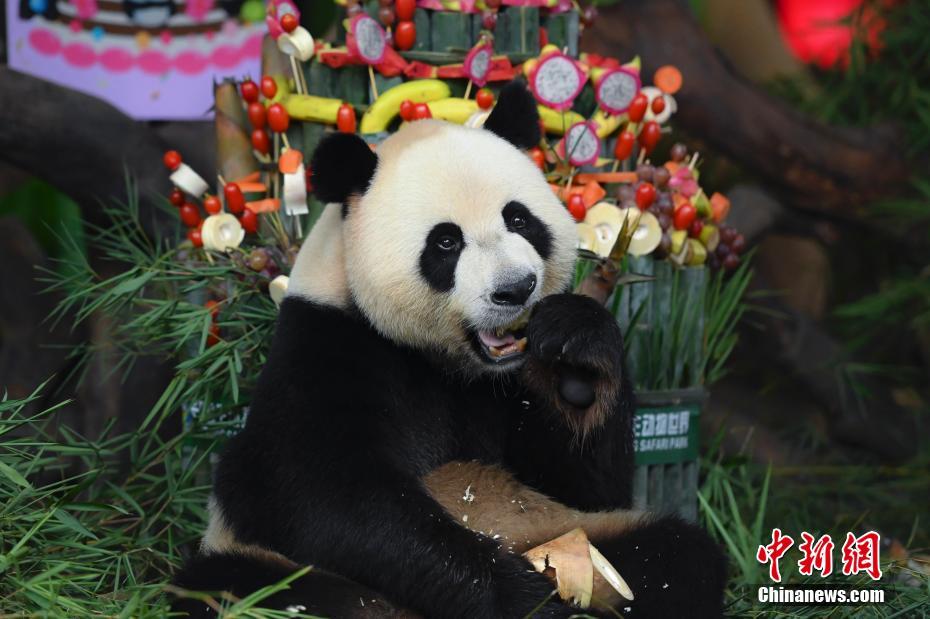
x=385 y=108
x=310 y=107
x=453 y=109
x=557 y=122
x=607 y=123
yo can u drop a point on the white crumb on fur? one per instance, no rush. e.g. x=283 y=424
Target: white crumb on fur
x=299 y=608
x=465 y=518
x=665 y=586
x=627 y=609
x=469 y=496
x=361 y=601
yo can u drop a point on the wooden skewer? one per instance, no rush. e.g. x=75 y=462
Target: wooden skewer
x=298 y=82
x=374 y=87
x=468 y=90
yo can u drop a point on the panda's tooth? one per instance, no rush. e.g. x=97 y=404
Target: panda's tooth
x=521 y=344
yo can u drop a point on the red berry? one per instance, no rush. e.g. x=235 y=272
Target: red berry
x=658 y=105
x=489 y=20
x=538 y=157
x=214 y=308
x=684 y=216
x=485 y=99
x=257 y=115
x=576 y=206
x=278 y=118
x=172 y=160
x=269 y=87
x=650 y=135
x=190 y=216
x=177 y=197
x=405 y=35
x=249 y=91
x=386 y=16
x=421 y=111
x=235 y=201
x=731 y=262
x=260 y=141
x=345 y=118
x=194 y=236
x=407 y=110
x=637 y=109
x=212 y=205
x=694 y=230
x=249 y=221
x=405 y=9
x=624 y=146
x=289 y=22
x=645 y=195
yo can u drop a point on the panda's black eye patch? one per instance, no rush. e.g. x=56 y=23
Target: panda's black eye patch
x=440 y=255
x=520 y=220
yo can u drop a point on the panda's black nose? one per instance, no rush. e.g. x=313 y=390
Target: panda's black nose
x=516 y=292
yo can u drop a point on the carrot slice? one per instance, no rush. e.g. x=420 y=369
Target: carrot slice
x=668 y=79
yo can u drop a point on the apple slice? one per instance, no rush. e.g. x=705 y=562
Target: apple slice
x=646 y=236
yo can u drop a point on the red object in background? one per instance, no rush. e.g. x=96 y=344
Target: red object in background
x=814 y=32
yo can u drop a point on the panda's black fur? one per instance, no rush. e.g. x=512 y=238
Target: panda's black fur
x=345 y=423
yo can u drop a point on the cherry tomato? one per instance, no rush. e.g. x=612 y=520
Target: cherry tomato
x=194 y=236
x=190 y=216
x=650 y=135
x=212 y=205
x=249 y=91
x=386 y=16
x=257 y=115
x=485 y=99
x=345 y=118
x=213 y=335
x=624 y=147
x=637 y=109
x=407 y=110
x=172 y=159
x=684 y=216
x=405 y=9
x=269 y=87
x=214 y=308
x=645 y=195
x=405 y=35
x=235 y=201
x=289 y=22
x=576 y=206
x=538 y=157
x=177 y=197
x=260 y=141
x=278 y=118
x=658 y=105
x=694 y=230
x=421 y=111
x=249 y=221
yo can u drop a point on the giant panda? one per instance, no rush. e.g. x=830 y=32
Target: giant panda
x=429 y=344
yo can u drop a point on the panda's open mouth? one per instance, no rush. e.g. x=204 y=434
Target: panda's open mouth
x=505 y=343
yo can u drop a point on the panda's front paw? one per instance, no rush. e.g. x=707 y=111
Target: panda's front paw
x=575 y=358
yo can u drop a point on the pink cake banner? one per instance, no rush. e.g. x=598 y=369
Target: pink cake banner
x=152 y=59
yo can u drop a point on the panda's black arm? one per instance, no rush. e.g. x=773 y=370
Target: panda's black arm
x=574 y=441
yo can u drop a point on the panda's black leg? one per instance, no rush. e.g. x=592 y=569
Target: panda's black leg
x=317 y=593
x=673 y=568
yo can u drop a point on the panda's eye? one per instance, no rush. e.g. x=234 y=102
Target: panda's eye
x=518 y=222
x=447 y=243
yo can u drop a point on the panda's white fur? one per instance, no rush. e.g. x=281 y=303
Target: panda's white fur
x=431 y=172
x=319 y=273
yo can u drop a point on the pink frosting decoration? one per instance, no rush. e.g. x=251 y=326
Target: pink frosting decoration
x=85 y=8
x=74 y=25
x=165 y=37
x=79 y=54
x=116 y=60
x=197 y=9
x=190 y=62
x=225 y=56
x=154 y=62
x=45 y=42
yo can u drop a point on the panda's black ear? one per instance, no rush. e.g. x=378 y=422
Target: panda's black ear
x=342 y=166
x=515 y=117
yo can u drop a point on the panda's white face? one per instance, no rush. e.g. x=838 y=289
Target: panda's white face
x=457 y=237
